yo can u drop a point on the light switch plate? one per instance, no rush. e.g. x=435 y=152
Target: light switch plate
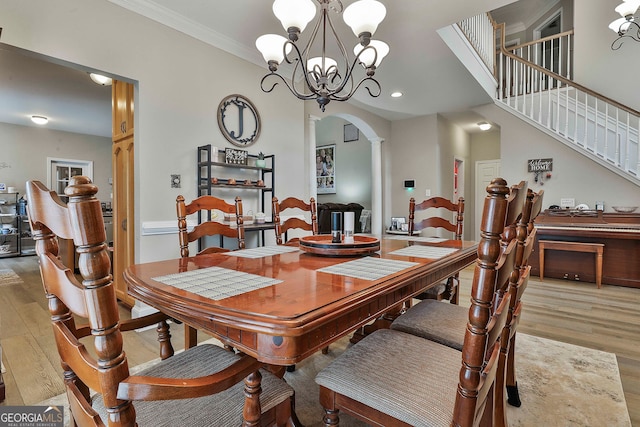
x=427 y=193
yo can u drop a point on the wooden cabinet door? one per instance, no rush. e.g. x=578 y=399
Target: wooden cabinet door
x=123 y=195
x=122 y=108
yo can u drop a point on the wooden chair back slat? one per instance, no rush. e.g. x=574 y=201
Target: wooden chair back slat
x=281 y=227
x=83 y=413
x=437 y=221
x=204 y=205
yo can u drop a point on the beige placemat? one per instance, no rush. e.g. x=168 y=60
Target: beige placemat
x=262 y=251
x=417 y=238
x=418 y=251
x=368 y=268
x=216 y=283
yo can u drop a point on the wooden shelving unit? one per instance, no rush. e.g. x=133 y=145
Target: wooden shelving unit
x=214 y=175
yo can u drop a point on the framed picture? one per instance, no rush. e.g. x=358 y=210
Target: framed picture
x=235 y=157
x=351 y=132
x=326 y=169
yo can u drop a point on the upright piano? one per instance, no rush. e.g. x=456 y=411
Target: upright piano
x=619 y=232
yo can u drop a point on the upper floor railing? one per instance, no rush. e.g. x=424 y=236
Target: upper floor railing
x=534 y=80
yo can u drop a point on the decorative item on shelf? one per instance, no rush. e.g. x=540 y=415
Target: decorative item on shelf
x=624 y=209
x=260 y=183
x=260 y=218
x=261 y=162
x=319 y=77
x=214 y=180
x=231 y=181
x=247 y=182
x=625 y=27
x=235 y=157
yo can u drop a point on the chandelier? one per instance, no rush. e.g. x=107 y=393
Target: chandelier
x=320 y=77
x=627 y=25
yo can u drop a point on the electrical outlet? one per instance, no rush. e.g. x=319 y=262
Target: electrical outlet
x=175 y=181
x=427 y=193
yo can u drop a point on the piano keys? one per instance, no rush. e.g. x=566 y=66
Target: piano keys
x=620 y=234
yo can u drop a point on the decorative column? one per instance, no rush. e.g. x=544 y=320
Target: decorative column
x=376 y=186
x=311 y=155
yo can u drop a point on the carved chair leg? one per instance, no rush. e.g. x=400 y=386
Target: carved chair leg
x=327 y=400
x=252 y=389
x=164 y=338
x=331 y=418
x=513 y=397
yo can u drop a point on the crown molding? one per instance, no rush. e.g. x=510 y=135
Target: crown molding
x=171 y=19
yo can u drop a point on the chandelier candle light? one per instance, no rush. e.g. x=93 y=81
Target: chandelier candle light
x=320 y=77
x=626 y=26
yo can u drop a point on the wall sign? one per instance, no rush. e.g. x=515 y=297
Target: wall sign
x=238 y=120
x=540 y=165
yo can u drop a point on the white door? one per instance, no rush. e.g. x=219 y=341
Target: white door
x=486 y=170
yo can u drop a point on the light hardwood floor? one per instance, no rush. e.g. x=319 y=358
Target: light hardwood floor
x=573 y=312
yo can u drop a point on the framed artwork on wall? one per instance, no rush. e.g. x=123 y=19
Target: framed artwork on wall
x=326 y=169
x=351 y=132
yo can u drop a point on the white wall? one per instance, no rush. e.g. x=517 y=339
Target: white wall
x=573 y=176
x=24 y=151
x=612 y=73
x=353 y=164
x=180 y=82
x=414 y=155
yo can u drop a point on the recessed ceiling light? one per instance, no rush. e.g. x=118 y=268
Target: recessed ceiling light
x=484 y=126
x=100 y=79
x=396 y=94
x=39 y=120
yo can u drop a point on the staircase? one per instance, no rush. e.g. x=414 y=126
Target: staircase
x=533 y=82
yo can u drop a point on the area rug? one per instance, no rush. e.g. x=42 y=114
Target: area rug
x=560 y=385
x=9 y=277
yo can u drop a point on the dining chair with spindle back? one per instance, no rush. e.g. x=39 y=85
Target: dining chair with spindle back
x=206 y=385
x=208 y=207
x=282 y=227
x=447 y=289
x=434 y=385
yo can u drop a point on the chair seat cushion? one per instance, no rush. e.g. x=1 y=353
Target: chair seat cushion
x=410 y=378
x=437 y=321
x=221 y=409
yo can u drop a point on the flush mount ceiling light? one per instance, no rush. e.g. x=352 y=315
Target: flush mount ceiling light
x=396 y=94
x=100 y=79
x=484 y=126
x=39 y=120
x=318 y=76
x=625 y=27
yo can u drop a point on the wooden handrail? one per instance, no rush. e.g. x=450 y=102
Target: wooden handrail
x=542 y=40
x=558 y=77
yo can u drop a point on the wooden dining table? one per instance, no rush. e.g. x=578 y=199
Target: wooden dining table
x=281 y=304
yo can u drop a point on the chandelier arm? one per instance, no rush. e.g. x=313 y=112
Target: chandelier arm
x=299 y=64
x=636 y=34
x=291 y=88
x=349 y=77
x=341 y=47
x=617 y=43
x=335 y=97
